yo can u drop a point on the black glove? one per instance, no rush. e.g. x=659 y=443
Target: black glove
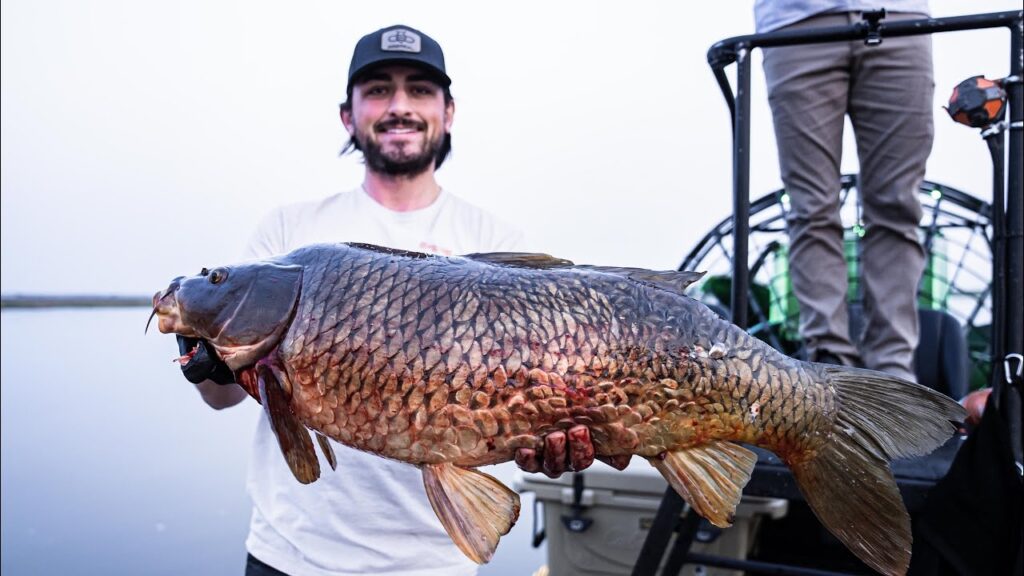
x=204 y=364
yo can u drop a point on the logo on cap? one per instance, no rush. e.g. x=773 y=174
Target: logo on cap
x=400 y=40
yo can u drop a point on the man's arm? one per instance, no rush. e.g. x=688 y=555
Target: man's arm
x=220 y=396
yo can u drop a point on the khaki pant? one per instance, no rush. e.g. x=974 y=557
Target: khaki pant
x=887 y=91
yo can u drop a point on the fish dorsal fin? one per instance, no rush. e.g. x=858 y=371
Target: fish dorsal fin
x=291 y=435
x=671 y=280
x=710 y=477
x=521 y=260
x=325 y=447
x=475 y=508
x=385 y=250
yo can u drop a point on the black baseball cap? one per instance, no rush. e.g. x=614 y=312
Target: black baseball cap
x=398 y=44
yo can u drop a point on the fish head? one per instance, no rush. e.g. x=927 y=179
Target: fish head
x=241 y=310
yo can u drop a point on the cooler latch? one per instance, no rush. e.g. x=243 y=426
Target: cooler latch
x=574 y=521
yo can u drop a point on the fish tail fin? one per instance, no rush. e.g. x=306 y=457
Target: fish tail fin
x=848 y=484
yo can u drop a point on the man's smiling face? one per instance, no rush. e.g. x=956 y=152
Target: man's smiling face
x=399 y=118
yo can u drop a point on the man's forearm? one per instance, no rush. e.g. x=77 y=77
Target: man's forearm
x=220 y=396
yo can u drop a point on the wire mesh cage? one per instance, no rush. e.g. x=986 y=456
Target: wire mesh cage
x=956 y=232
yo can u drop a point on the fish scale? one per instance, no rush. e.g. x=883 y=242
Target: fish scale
x=617 y=362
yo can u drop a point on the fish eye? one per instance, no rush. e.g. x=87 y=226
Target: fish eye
x=217 y=275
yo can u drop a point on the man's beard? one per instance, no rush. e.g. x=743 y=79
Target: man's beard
x=399 y=162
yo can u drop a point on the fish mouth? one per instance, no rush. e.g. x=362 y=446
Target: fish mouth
x=167 y=312
x=185 y=358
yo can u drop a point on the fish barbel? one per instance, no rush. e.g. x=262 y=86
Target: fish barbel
x=450 y=363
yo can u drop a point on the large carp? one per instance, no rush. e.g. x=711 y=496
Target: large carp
x=453 y=363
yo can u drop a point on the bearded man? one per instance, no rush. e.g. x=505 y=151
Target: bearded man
x=372 y=516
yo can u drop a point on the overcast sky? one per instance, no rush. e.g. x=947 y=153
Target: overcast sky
x=143 y=140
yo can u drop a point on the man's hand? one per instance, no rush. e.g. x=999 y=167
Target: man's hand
x=975 y=403
x=200 y=362
x=565 y=451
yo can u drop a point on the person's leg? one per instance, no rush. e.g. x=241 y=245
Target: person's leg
x=807 y=90
x=891 y=111
x=254 y=567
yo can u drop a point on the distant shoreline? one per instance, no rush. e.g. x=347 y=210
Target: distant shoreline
x=23 y=301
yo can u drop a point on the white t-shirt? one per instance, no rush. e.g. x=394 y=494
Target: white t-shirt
x=371 y=515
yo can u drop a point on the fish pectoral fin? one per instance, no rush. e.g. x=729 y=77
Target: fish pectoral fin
x=475 y=508
x=292 y=436
x=709 y=477
x=325 y=447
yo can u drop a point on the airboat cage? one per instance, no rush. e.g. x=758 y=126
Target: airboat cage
x=1006 y=216
x=973 y=275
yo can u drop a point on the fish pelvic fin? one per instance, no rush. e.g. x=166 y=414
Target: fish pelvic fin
x=328 y=450
x=292 y=436
x=710 y=477
x=848 y=483
x=475 y=508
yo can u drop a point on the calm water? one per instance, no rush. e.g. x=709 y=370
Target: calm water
x=111 y=463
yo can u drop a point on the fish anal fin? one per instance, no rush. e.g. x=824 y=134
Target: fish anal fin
x=292 y=436
x=325 y=447
x=475 y=508
x=709 y=477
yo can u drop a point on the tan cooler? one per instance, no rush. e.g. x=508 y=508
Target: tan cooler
x=620 y=508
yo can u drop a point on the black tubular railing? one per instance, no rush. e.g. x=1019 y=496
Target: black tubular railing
x=1008 y=312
